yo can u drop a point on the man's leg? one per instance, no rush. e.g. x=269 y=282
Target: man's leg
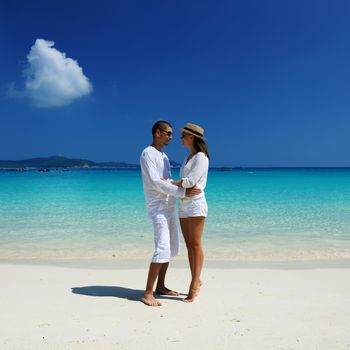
x=172 y=234
x=153 y=272
x=160 y=257
x=161 y=289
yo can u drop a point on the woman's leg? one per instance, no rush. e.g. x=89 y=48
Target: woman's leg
x=185 y=228
x=196 y=225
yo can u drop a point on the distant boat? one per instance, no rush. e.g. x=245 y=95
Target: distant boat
x=44 y=170
x=225 y=169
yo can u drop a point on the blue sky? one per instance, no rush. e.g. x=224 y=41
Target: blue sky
x=269 y=81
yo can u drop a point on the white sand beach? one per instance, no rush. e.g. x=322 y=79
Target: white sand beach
x=50 y=307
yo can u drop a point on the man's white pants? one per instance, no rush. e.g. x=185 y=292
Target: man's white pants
x=166 y=234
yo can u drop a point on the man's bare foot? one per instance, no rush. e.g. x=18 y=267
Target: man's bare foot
x=166 y=291
x=150 y=300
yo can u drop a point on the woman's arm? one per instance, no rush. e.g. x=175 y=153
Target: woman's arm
x=173 y=182
x=190 y=191
x=199 y=167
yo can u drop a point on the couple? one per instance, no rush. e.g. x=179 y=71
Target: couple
x=161 y=192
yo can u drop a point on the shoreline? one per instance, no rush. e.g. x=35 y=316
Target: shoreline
x=181 y=263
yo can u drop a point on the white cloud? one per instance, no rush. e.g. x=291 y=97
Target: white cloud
x=52 y=79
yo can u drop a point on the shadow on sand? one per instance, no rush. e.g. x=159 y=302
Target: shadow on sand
x=115 y=291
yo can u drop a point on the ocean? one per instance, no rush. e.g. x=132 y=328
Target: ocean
x=254 y=215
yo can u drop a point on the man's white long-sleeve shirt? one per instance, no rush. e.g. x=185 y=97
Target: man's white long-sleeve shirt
x=155 y=166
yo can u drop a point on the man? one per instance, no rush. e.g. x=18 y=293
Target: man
x=160 y=199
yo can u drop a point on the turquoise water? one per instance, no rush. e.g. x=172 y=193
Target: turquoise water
x=269 y=215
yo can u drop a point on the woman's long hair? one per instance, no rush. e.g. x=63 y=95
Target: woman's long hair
x=200 y=146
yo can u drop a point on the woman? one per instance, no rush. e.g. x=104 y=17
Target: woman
x=193 y=210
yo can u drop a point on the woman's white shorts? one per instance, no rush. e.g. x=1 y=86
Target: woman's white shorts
x=189 y=207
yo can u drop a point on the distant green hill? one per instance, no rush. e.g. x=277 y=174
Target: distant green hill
x=64 y=162
x=49 y=162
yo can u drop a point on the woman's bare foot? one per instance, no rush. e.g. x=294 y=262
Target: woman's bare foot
x=166 y=291
x=150 y=300
x=192 y=294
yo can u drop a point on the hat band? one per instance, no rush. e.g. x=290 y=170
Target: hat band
x=195 y=132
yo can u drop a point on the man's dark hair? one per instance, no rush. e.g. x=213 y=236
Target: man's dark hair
x=159 y=125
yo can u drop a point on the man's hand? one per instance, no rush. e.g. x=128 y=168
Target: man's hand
x=192 y=191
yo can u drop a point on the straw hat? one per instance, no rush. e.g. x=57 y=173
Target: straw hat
x=194 y=129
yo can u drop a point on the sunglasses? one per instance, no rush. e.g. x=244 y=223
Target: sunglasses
x=184 y=135
x=169 y=133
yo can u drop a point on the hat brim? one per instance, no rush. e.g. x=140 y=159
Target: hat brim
x=189 y=132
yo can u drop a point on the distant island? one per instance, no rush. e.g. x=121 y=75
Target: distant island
x=57 y=162
x=64 y=163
